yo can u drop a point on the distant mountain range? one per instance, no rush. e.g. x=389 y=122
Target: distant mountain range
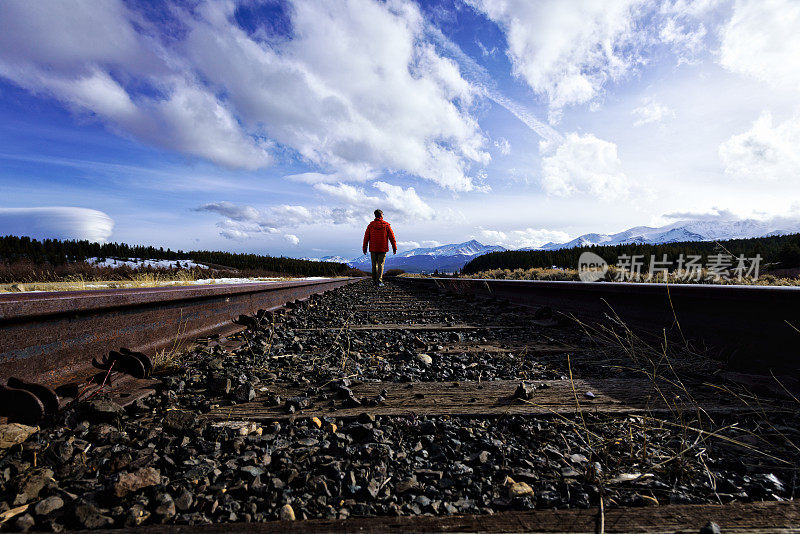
x=452 y=257
x=446 y=258
x=693 y=230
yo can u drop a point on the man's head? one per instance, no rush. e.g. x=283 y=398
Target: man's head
x=378 y=214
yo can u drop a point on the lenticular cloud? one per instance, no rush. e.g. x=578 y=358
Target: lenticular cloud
x=56 y=223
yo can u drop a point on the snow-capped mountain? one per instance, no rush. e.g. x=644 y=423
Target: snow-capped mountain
x=468 y=248
x=445 y=258
x=691 y=230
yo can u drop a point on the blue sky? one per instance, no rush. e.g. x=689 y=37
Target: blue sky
x=277 y=127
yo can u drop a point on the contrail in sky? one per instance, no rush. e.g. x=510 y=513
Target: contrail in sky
x=480 y=76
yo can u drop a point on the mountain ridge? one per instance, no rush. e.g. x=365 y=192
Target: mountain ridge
x=453 y=256
x=684 y=230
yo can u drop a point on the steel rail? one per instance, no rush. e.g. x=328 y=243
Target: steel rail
x=750 y=326
x=51 y=338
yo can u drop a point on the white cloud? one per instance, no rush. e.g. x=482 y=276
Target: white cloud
x=217 y=92
x=767 y=151
x=404 y=204
x=71 y=56
x=566 y=51
x=430 y=243
x=56 y=223
x=503 y=146
x=350 y=195
x=686 y=41
x=292 y=239
x=231 y=211
x=651 y=111
x=405 y=201
x=407 y=245
x=340 y=103
x=584 y=164
x=762 y=40
x=241 y=221
x=528 y=237
x=354 y=173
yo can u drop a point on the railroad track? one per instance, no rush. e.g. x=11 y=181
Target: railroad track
x=414 y=409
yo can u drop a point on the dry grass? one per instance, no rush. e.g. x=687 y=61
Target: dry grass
x=571 y=275
x=25 y=275
x=676 y=366
x=180 y=278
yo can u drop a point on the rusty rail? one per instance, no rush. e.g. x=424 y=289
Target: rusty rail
x=750 y=326
x=51 y=338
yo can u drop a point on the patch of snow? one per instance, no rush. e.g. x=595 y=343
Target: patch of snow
x=137 y=263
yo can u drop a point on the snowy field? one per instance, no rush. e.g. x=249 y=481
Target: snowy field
x=136 y=263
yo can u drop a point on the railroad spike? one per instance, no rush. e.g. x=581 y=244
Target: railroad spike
x=122 y=362
x=147 y=363
x=46 y=396
x=20 y=406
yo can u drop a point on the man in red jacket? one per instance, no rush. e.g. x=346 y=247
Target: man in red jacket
x=377 y=234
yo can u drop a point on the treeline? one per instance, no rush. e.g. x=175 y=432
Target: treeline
x=55 y=252
x=780 y=251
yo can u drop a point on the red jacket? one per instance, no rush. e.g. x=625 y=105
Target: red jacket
x=378 y=232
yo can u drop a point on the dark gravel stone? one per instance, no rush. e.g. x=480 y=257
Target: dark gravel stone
x=48 y=505
x=62 y=451
x=133 y=482
x=102 y=410
x=31 y=484
x=252 y=471
x=180 y=421
x=166 y=506
x=183 y=502
x=25 y=522
x=91 y=517
x=298 y=403
x=219 y=385
x=244 y=393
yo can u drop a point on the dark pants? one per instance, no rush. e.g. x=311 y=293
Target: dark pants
x=378 y=259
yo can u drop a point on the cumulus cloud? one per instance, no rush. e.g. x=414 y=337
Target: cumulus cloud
x=528 y=237
x=214 y=90
x=56 y=223
x=340 y=103
x=404 y=201
x=566 y=51
x=69 y=51
x=396 y=201
x=767 y=151
x=242 y=221
x=349 y=194
x=584 y=164
x=407 y=245
x=292 y=239
x=651 y=111
x=761 y=40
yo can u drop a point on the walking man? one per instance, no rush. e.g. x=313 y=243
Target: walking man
x=377 y=234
